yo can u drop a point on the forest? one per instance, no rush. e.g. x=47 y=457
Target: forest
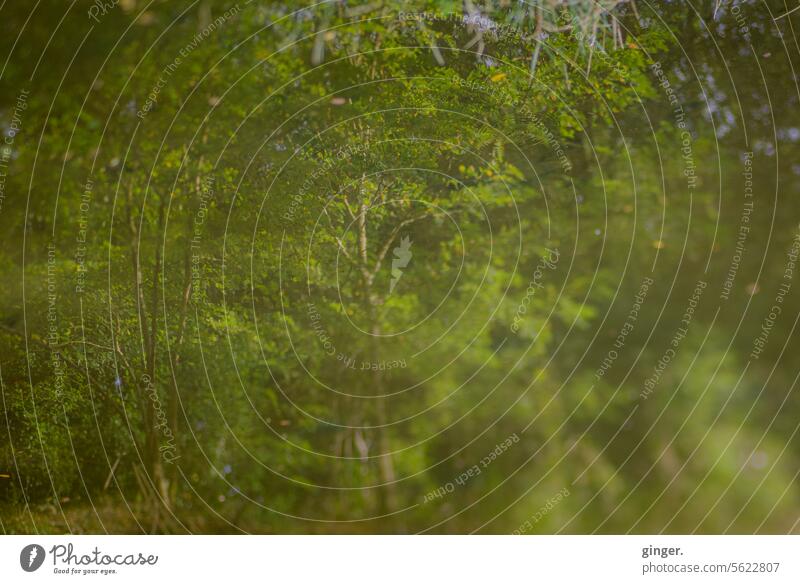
x=425 y=266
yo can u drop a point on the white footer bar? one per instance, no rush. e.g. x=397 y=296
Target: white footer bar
x=401 y=559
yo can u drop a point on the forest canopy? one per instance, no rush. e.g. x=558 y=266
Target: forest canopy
x=423 y=266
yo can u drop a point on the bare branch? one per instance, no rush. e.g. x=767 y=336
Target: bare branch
x=338 y=239
x=347 y=206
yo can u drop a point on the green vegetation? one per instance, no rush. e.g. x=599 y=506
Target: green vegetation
x=379 y=268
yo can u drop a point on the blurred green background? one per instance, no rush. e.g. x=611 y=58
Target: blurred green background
x=394 y=267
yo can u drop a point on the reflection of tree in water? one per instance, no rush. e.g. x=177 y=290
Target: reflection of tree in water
x=405 y=177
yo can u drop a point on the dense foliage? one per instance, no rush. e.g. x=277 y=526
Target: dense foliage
x=305 y=269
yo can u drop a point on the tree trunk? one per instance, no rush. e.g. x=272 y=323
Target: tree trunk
x=388 y=500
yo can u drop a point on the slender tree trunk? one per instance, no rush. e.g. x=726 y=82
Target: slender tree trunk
x=157 y=470
x=154 y=483
x=387 y=496
x=389 y=501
